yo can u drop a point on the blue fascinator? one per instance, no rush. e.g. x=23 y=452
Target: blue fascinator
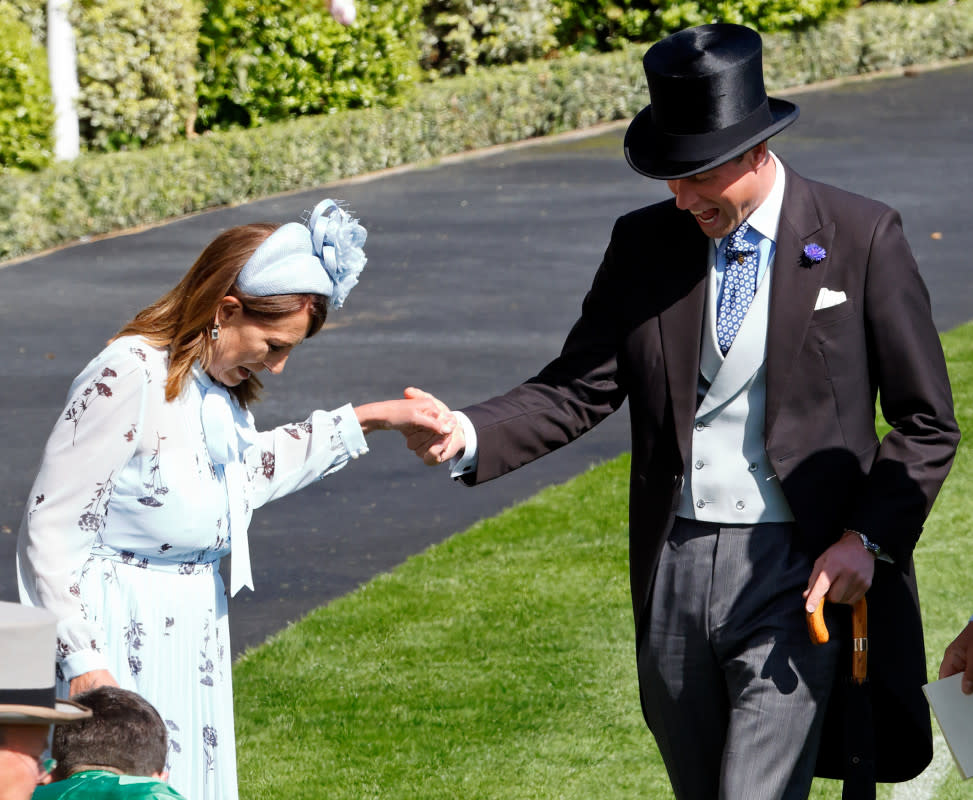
x=323 y=256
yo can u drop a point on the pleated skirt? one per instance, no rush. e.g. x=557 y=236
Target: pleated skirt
x=168 y=640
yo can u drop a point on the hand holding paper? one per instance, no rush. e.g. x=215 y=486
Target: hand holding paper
x=954 y=713
x=959 y=658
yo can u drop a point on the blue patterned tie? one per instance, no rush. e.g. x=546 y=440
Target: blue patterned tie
x=739 y=285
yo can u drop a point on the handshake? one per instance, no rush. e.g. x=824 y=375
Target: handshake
x=431 y=443
x=431 y=430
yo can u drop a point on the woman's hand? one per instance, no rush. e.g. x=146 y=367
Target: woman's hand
x=92 y=680
x=416 y=413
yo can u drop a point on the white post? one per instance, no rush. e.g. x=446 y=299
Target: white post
x=63 y=68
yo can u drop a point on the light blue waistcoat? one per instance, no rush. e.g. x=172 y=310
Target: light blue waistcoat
x=728 y=478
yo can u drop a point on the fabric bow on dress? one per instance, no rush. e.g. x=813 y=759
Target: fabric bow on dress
x=229 y=433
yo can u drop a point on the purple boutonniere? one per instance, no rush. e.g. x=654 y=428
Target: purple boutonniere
x=813 y=254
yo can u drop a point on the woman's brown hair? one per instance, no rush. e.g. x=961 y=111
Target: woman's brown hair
x=182 y=318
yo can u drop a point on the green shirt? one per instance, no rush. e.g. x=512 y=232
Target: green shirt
x=99 y=784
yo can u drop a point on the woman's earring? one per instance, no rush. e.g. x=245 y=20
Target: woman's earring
x=214 y=333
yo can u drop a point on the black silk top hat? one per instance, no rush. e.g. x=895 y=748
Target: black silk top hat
x=708 y=102
x=28 y=642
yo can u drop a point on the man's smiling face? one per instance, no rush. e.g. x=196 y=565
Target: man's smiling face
x=723 y=197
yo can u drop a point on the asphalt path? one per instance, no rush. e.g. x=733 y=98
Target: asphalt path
x=477 y=266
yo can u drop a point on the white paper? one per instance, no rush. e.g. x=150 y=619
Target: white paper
x=954 y=713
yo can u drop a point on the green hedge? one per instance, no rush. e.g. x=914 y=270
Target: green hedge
x=26 y=112
x=270 y=60
x=460 y=34
x=97 y=194
x=145 y=65
x=600 y=25
x=33 y=14
x=136 y=69
x=876 y=37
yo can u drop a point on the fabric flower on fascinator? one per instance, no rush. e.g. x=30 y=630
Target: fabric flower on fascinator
x=323 y=255
x=813 y=254
x=338 y=240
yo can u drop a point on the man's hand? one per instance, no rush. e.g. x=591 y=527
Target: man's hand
x=91 y=680
x=843 y=573
x=431 y=447
x=959 y=658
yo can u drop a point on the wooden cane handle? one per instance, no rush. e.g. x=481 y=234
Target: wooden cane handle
x=816 y=626
x=818 y=631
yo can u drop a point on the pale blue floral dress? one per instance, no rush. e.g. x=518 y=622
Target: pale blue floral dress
x=123 y=532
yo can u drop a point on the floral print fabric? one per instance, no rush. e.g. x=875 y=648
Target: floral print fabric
x=122 y=536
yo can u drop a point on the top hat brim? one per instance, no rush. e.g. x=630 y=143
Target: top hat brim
x=650 y=152
x=64 y=711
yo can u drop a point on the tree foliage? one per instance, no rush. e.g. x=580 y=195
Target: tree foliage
x=600 y=25
x=136 y=69
x=26 y=111
x=268 y=60
x=460 y=34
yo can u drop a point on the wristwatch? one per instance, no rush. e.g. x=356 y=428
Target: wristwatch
x=870 y=546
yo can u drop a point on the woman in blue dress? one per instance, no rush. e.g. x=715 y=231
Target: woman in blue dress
x=153 y=471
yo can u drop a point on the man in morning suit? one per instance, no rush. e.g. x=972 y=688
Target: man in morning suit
x=750 y=320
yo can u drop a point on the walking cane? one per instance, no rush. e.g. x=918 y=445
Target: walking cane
x=859 y=781
x=859 y=636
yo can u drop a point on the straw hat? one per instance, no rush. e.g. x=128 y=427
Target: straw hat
x=28 y=638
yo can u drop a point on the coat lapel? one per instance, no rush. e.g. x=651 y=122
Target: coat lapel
x=794 y=288
x=681 y=325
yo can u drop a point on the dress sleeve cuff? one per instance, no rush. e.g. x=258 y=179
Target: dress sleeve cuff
x=467 y=462
x=82 y=661
x=347 y=427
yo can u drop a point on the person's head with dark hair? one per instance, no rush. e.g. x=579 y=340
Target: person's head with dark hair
x=125 y=734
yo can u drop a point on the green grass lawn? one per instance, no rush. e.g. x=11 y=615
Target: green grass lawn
x=500 y=664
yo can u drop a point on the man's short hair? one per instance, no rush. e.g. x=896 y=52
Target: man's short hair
x=124 y=732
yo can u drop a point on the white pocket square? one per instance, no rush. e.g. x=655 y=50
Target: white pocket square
x=828 y=298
